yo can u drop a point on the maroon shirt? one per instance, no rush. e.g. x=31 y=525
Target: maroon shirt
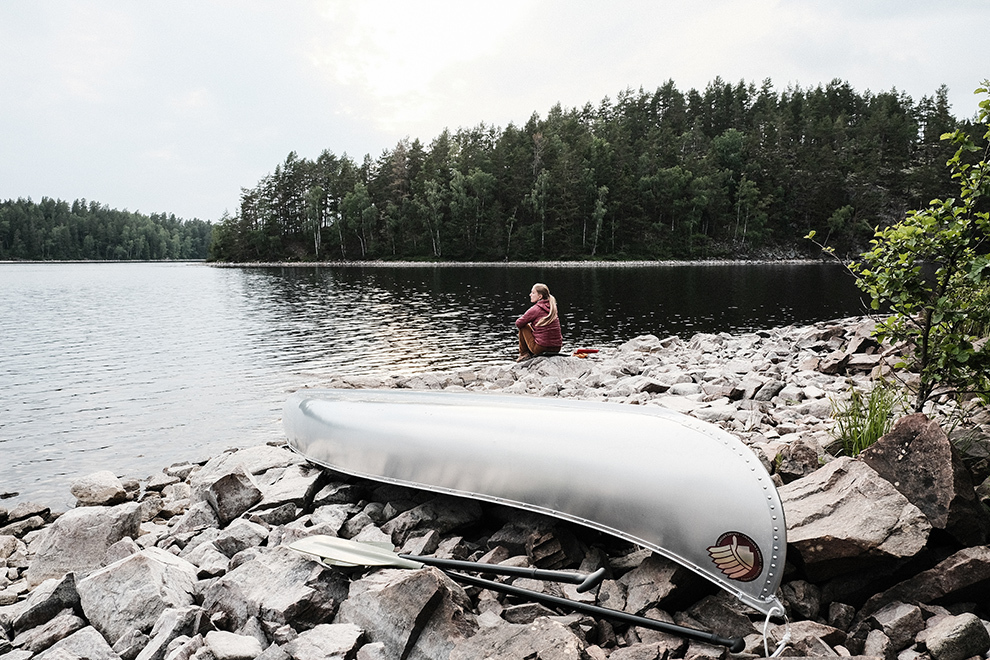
x=545 y=335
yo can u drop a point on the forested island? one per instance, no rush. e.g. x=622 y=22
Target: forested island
x=55 y=230
x=733 y=171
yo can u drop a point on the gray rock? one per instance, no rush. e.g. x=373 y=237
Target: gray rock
x=768 y=390
x=47 y=600
x=844 y=515
x=415 y=614
x=862 y=362
x=642 y=344
x=277 y=585
x=820 y=408
x=209 y=561
x=58 y=628
x=717 y=412
x=802 y=598
x=253 y=460
x=374 y=535
x=132 y=593
x=78 y=540
x=181 y=470
x=25 y=510
x=158 y=481
x=183 y=648
x=717 y=614
x=900 y=622
x=257 y=629
x=798 y=459
x=558 y=368
x=644 y=384
x=841 y=616
x=240 y=535
x=327 y=640
x=702 y=651
x=917 y=457
x=171 y=624
x=834 y=363
x=427 y=543
x=641 y=651
x=15 y=654
x=555 y=548
x=355 y=524
x=373 y=651
x=515 y=535
x=280 y=515
x=879 y=645
x=958 y=637
x=8 y=544
x=231 y=646
x=653 y=582
x=808 y=636
x=295 y=484
x=86 y=643
x=612 y=595
x=22 y=527
x=961 y=575
x=526 y=613
x=231 y=495
x=442 y=514
x=685 y=389
x=197 y=517
x=544 y=639
x=98 y=489
x=122 y=548
x=13 y=593
x=336 y=493
x=131 y=644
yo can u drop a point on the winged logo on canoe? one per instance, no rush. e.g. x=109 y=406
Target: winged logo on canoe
x=737 y=556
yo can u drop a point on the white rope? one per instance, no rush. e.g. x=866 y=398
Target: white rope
x=785 y=640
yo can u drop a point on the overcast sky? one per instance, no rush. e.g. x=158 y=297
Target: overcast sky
x=175 y=106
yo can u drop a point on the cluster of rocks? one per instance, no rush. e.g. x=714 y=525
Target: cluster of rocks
x=887 y=552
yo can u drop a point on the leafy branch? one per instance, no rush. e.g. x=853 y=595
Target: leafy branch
x=932 y=272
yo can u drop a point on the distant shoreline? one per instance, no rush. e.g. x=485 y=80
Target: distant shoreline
x=443 y=264
x=510 y=264
x=104 y=261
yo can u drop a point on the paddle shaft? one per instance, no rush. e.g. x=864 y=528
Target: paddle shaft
x=735 y=644
x=584 y=581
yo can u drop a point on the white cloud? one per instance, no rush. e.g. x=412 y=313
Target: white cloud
x=397 y=60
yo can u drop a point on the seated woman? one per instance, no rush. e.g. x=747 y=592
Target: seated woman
x=539 y=327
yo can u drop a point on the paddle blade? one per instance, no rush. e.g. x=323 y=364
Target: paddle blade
x=343 y=552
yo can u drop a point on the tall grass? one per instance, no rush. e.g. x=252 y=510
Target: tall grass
x=862 y=419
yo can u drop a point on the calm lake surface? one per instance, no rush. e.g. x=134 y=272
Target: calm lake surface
x=131 y=367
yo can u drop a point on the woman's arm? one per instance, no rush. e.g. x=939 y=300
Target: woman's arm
x=531 y=315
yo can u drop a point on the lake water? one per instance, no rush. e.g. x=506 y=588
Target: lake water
x=134 y=366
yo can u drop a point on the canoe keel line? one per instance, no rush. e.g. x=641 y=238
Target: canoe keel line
x=681 y=487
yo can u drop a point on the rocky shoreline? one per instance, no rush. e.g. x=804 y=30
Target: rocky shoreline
x=887 y=553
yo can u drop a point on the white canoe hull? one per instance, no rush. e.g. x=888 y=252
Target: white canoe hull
x=678 y=486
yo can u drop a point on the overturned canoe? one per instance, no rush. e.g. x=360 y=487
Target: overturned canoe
x=668 y=482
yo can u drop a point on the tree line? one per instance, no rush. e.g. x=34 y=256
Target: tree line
x=734 y=170
x=56 y=230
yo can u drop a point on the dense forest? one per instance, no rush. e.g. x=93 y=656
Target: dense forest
x=56 y=230
x=735 y=170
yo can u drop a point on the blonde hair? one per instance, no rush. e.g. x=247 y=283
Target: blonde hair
x=544 y=292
